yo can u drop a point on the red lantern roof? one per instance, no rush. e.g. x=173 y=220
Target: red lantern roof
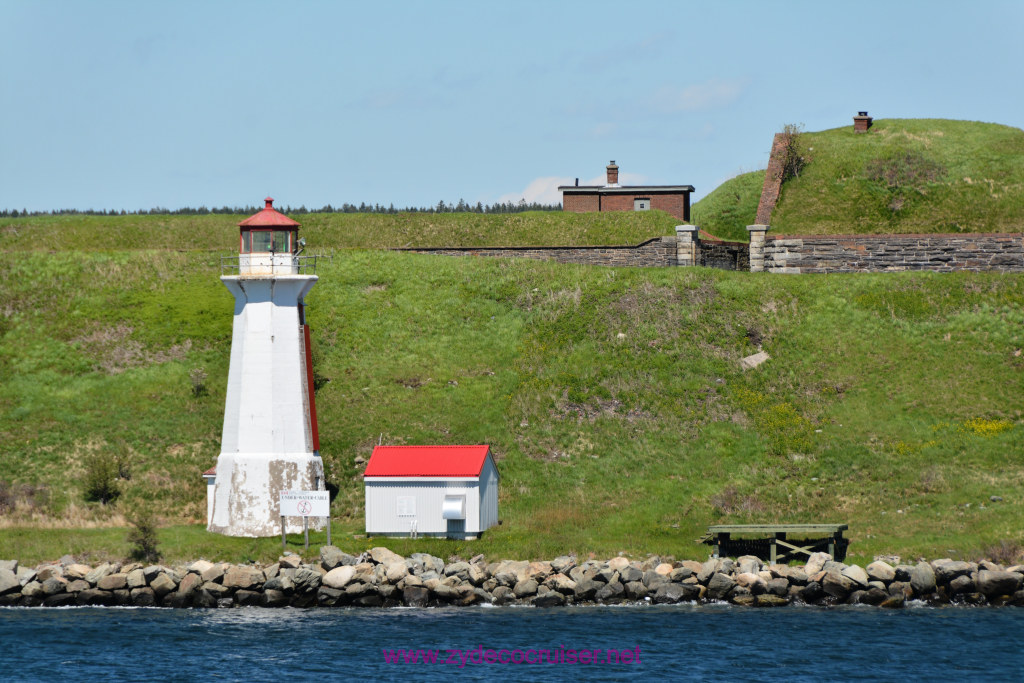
x=269 y=217
x=427 y=461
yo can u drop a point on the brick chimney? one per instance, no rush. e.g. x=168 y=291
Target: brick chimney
x=861 y=122
x=613 y=173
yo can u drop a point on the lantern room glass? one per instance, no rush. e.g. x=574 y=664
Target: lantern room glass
x=266 y=241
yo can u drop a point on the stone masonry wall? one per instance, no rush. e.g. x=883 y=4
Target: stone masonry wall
x=658 y=252
x=881 y=253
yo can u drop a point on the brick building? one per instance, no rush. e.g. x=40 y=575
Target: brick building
x=672 y=199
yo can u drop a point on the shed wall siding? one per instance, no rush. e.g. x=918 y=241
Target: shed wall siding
x=488 y=496
x=382 y=506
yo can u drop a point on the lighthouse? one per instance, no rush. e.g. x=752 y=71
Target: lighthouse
x=270 y=441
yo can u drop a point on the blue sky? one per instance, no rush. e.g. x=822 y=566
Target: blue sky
x=112 y=105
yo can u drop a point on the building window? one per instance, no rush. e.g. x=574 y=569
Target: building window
x=406 y=506
x=265 y=241
x=642 y=204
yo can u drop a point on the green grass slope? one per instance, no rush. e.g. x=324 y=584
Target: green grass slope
x=337 y=230
x=903 y=176
x=613 y=399
x=731 y=207
x=907 y=176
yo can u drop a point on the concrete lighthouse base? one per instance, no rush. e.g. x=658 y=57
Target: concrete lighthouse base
x=247 y=491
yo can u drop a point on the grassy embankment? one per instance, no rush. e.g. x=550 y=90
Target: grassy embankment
x=892 y=402
x=903 y=176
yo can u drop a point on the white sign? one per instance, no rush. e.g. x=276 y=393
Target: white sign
x=305 y=504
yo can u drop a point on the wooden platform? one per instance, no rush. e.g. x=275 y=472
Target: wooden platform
x=769 y=537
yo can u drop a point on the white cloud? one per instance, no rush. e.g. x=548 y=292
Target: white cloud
x=709 y=95
x=545 y=190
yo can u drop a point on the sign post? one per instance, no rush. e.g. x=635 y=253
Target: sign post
x=305 y=504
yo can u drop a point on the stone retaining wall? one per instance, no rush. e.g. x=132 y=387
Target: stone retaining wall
x=684 y=249
x=881 y=253
x=380 y=577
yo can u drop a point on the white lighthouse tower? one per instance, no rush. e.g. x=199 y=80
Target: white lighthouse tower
x=270 y=441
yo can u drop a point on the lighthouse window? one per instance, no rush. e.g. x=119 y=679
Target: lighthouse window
x=278 y=241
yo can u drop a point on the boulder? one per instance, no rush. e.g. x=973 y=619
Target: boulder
x=247 y=578
x=611 y=592
x=332 y=557
x=837 y=585
x=748 y=564
x=670 y=593
x=143 y=596
x=76 y=571
x=770 y=600
x=563 y=564
x=503 y=595
x=633 y=573
x=816 y=562
x=549 y=599
x=995 y=583
x=752 y=582
x=719 y=586
x=55 y=585
x=560 y=583
x=95 y=597
x=113 y=582
x=77 y=586
x=811 y=592
x=189 y=585
x=477 y=575
x=10 y=565
x=162 y=584
x=607 y=575
x=135 y=579
x=653 y=579
x=273 y=598
x=8 y=581
x=948 y=570
x=59 y=600
x=382 y=555
x=664 y=569
x=99 y=572
x=779 y=587
x=396 y=571
x=856 y=574
x=618 y=563
x=922 y=579
x=636 y=590
x=586 y=589
x=524 y=589
x=339 y=577
x=416 y=596
x=48 y=572
x=961 y=584
x=881 y=571
x=214 y=574
x=199 y=566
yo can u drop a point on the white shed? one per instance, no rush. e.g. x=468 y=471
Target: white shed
x=447 y=491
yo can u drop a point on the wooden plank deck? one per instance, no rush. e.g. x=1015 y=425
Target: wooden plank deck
x=829 y=536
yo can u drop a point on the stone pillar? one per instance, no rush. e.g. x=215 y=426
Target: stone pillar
x=687 y=245
x=757 y=233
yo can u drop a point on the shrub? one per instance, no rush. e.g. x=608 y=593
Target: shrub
x=102 y=470
x=142 y=537
x=198 y=378
x=793 y=156
x=1005 y=552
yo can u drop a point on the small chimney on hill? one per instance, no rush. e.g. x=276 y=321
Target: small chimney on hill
x=861 y=122
x=613 y=173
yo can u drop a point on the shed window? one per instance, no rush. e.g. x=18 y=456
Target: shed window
x=642 y=204
x=406 y=506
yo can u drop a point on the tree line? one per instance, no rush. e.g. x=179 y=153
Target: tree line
x=461 y=207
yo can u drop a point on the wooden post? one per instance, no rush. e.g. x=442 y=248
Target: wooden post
x=328 y=529
x=771 y=549
x=305 y=530
x=284 y=545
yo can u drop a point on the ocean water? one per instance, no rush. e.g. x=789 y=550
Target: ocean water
x=681 y=642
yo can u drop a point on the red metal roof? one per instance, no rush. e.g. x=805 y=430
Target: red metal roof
x=426 y=461
x=210 y=472
x=268 y=217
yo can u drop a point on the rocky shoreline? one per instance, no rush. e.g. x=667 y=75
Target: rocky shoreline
x=381 y=578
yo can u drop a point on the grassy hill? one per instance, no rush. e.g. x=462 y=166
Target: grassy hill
x=337 y=230
x=613 y=398
x=903 y=176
